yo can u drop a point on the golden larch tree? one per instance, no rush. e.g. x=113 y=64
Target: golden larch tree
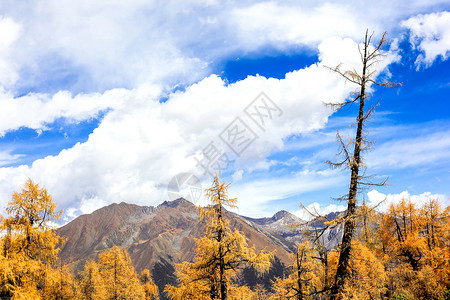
x=305 y=278
x=91 y=285
x=29 y=244
x=150 y=288
x=367 y=277
x=58 y=284
x=220 y=254
x=120 y=279
x=415 y=244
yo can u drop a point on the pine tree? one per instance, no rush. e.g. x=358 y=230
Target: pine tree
x=220 y=253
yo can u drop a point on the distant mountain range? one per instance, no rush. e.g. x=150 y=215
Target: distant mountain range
x=159 y=237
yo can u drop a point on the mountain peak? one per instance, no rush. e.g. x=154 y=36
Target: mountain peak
x=176 y=203
x=150 y=234
x=281 y=214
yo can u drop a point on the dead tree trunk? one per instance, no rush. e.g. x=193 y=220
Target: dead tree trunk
x=353 y=160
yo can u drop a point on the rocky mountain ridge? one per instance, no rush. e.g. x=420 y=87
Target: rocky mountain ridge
x=149 y=233
x=158 y=237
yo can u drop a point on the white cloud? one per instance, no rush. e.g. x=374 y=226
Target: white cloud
x=102 y=45
x=36 y=111
x=237 y=175
x=284 y=25
x=426 y=150
x=139 y=146
x=254 y=194
x=7 y=158
x=430 y=33
x=311 y=211
x=383 y=201
x=10 y=31
x=88 y=205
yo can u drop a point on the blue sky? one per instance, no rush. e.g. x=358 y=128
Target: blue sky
x=105 y=102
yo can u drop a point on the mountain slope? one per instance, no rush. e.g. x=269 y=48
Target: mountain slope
x=153 y=235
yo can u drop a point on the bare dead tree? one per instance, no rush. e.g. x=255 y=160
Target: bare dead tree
x=370 y=56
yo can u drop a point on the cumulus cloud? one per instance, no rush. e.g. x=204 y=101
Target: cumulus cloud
x=136 y=52
x=309 y=212
x=261 y=24
x=430 y=33
x=103 y=45
x=139 y=146
x=88 y=46
x=36 y=111
x=10 y=31
x=383 y=201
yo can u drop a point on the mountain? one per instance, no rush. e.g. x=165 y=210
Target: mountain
x=292 y=228
x=283 y=223
x=159 y=237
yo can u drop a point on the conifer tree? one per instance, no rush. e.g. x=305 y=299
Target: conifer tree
x=415 y=246
x=91 y=286
x=29 y=244
x=150 y=288
x=367 y=278
x=58 y=284
x=120 y=279
x=370 y=56
x=305 y=278
x=220 y=253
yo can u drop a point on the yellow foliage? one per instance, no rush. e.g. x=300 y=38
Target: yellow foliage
x=150 y=288
x=241 y=293
x=119 y=277
x=305 y=277
x=58 y=284
x=415 y=248
x=367 y=278
x=29 y=244
x=27 y=224
x=91 y=286
x=219 y=255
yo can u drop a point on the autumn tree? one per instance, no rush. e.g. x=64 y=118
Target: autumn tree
x=91 y=285
x=367 y=276
x=221 y=252
x=415 y=245
x=29 y=243
x=150 y=288
x=243 y=293
x=370 y=56
x=305 y=278
x=120 y=279
x=58 y=283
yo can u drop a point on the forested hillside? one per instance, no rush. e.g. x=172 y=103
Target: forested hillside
x=400 y=254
